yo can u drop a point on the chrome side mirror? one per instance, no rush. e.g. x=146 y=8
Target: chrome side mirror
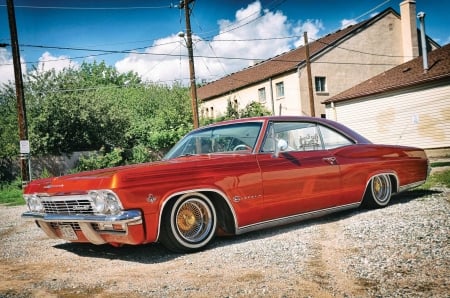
x=282 y=145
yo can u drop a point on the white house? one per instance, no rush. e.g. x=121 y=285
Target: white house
x=406 y=105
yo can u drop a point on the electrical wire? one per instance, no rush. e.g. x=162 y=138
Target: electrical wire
x=90 y=8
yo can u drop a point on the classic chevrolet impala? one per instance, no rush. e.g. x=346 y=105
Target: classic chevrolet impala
x=227 y=178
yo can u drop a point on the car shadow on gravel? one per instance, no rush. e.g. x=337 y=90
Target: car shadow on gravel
x=400 y=198
x=156 y=253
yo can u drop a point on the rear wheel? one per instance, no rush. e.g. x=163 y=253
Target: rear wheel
x=378 y=192
x=189 y=223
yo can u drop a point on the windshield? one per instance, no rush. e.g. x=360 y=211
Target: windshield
x=227 y=138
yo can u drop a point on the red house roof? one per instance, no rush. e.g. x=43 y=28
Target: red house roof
x=404 y=75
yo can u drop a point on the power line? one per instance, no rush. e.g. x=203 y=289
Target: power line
x=90 y=8
x=271 y=5
x=134 y=51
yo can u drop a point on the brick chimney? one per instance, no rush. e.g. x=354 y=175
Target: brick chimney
x=409 y=30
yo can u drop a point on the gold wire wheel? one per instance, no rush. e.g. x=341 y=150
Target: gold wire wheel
x=193 y=220
x=381 y=189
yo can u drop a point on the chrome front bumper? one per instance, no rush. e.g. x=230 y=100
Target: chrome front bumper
x=127 y=218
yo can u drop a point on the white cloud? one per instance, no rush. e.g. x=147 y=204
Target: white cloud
x=250 y=37
x=7 y=66
x=312 y=27
x=345 y=23
x=159 y=63
x=47 y=62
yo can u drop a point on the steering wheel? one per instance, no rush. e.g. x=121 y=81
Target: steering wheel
x=242 y=147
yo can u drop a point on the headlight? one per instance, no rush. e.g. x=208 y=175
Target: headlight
x=34 y=203
x=105 y=202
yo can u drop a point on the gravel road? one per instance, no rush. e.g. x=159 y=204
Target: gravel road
x=399 y=251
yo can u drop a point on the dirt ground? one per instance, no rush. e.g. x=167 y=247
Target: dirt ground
x=316 y=258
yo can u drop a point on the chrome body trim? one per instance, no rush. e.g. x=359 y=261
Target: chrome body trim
x=129 y=217
x=91 y=234
x=411 y=185
x=46 y=227
x=293 y=218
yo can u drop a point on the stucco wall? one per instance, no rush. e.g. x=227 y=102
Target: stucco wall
x=360 y=57
x=364 y=55
x=289 y=104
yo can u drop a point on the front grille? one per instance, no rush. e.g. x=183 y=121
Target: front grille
x=70 y=207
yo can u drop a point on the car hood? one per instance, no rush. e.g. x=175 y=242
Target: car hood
x=116 y=177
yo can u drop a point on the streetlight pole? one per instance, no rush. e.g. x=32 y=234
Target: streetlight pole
x=185 y=4
x=21 y=111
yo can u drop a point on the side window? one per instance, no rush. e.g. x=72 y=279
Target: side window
x=300 y=136
x=332 y=139
x=303 y=136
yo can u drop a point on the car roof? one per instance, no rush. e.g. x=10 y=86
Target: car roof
x=329 y=123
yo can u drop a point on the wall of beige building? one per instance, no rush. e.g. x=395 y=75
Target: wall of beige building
x=287 y=104
x=362 y=56
x=418 y=117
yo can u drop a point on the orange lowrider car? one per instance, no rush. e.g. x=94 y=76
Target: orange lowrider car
x=227 y=178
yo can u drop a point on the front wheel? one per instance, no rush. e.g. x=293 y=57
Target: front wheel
x=189 y=223
x=378 y=192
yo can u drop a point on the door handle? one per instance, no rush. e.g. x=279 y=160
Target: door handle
x=331 y=160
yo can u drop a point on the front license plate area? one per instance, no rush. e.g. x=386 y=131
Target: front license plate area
x=67 y=232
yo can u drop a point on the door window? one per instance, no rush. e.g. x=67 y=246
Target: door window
x=303 y=136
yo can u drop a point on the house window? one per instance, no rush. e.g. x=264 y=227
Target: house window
x=320 y=84
x=279 y=87
x=262 y=94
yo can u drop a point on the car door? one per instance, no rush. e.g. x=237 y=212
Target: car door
x=303 y=176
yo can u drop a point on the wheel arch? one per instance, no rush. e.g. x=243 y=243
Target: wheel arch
x=226 y=217
x=370 y=199
x=392 y=176
x=394 y=182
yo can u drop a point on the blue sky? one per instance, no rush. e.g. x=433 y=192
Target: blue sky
x=228 y=35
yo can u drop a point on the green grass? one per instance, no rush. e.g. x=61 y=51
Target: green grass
x=11 y=194
x=441 y=178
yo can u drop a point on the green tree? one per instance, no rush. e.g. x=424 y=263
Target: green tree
x=76 y=109
x=94 y=107
x=9 y=135
x=161 y=118
x=254 y=109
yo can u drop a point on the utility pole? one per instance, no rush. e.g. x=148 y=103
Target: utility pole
x=308 y=69
x=185 y=4
x=21 y=111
